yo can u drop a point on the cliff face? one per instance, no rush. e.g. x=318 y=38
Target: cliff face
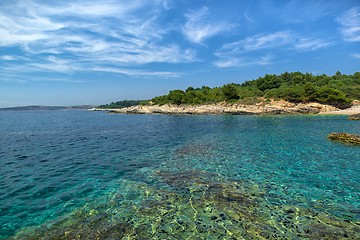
x=272 y=107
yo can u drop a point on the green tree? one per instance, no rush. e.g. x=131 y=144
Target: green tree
x=268 y=82
x=176 y=97
x=337 y=90
x=189 y=89
x=337 y=75
x=309 y=91
x=230 y=92
x=332 y=97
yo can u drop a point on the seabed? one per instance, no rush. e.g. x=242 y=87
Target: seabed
x=196 y=204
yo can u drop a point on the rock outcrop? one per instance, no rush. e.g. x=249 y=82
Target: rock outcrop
x=345 y=138
x=272 y=107
x=355 y=117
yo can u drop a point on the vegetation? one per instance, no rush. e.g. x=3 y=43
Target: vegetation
x=123 y=104
x=337 y=90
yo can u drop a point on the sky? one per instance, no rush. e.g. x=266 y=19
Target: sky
x=73 y=52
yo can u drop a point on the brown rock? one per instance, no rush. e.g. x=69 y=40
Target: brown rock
x=273 y=107
x=345 y=138
x=355 y=117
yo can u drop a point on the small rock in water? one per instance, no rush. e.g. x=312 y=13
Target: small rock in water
x=355 y=117
x=345 y=138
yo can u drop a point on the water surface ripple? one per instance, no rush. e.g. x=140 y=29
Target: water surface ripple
x=81 y=173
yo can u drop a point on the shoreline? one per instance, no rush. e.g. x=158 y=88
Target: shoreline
x=263 y=108
x=349 y=111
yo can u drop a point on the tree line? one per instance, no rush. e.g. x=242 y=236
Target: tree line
x=338 y=90
x=123 y=104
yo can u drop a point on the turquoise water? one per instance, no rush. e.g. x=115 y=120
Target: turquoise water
x=79 y=174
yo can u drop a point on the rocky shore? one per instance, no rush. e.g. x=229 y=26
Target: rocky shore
x=355 y=117
x=262 y=108
x=345 y=138
x=271 y=107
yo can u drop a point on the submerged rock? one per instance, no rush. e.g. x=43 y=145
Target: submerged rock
x=194 y=204
x=355 y=117
x=345 y=138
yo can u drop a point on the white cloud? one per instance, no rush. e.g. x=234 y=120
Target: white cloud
x=55 y=65
x=350 y=22
x=22 y=30
x=244 y=52
x=226 y=63
x=71 y=36
x=11 y=74
x=135 y=72
x=309 y=44
x=266 y=41
x=199 y=26
x=95 y=8
x=149 y=54
x=60 y=65
x=300 y=11
x=166 y=4
x=243 y=61
x=257 y=42
x=356 y=55
x=7 y=58
x=51 y=64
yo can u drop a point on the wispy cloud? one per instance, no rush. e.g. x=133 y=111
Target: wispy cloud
x=259 y=41
x=309 y=44
x=199 y=26
x=298 y=11
x=7 y=58
x=9 y=74
x=356 y=55
x=94 y=8
x=54 y=64
x=94 y=34
x=243 y=52
x=57 y=65
x=135 y=72
x=243 y=61
x=350 y=22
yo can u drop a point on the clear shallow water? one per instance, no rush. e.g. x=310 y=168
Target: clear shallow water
x=90 y=174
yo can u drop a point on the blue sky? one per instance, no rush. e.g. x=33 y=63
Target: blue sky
x=93 y=52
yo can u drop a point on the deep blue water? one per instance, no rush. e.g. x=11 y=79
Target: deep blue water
x=55 y=164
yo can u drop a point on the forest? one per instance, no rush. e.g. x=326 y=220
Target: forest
x=338 y=90
x=123 y=104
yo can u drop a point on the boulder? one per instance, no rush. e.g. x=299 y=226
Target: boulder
x=355 y=117
x=345 y=138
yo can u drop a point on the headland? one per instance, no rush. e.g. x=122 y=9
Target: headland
x=272 y=107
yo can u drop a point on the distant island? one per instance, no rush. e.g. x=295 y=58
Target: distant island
x=82 y=107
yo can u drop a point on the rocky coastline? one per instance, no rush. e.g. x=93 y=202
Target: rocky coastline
x=262 y=108
x=355 y=117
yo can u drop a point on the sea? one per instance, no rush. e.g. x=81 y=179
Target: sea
x=72 y=174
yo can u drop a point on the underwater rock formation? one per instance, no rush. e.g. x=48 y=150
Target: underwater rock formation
x=194 y=205
x=345 y=138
